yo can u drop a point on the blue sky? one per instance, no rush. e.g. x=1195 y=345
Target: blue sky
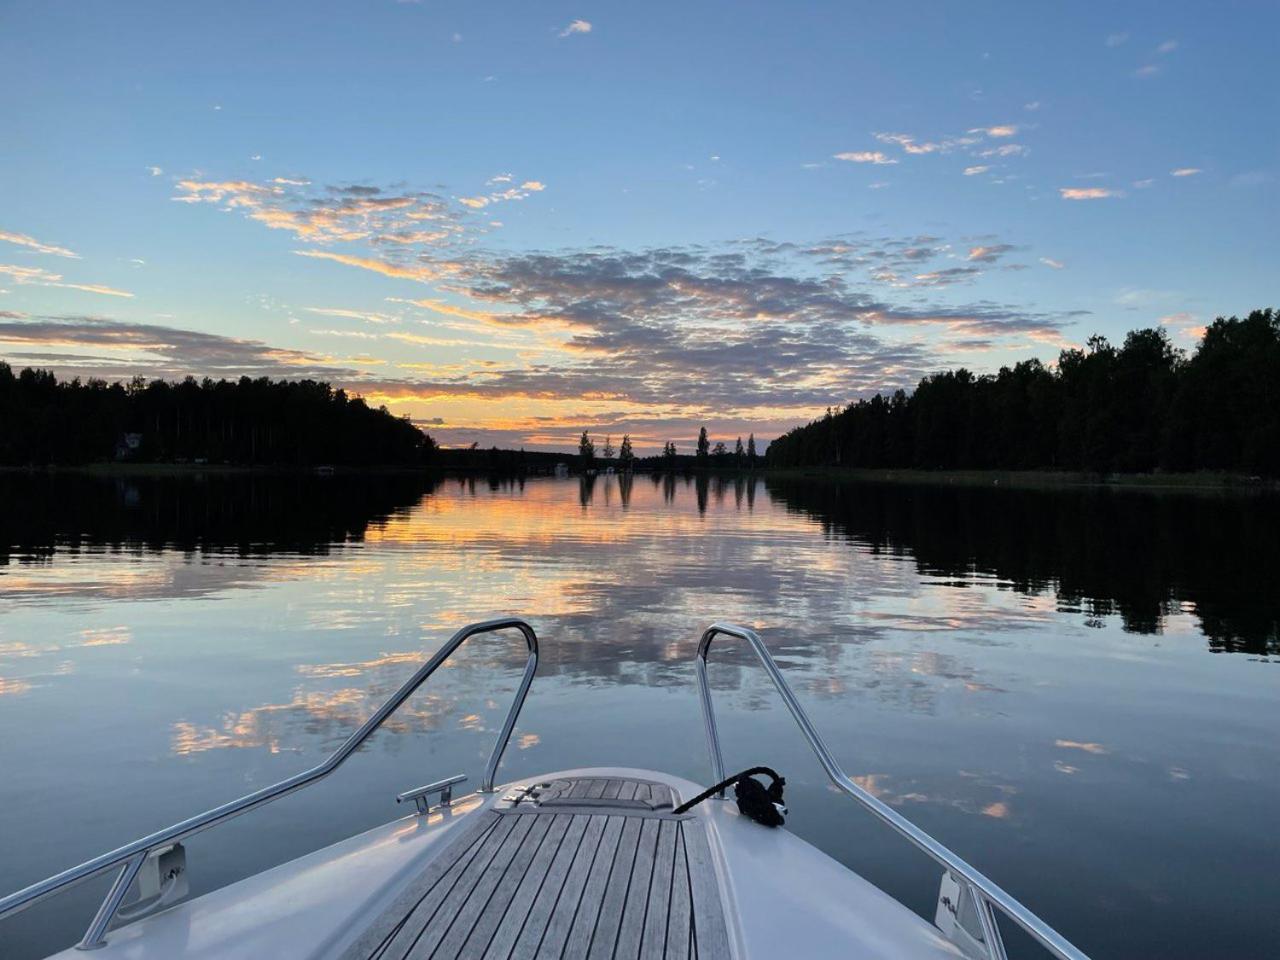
x=512 y=222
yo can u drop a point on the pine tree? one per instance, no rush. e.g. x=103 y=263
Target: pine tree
x=738 y=453
x=703 y=446
x=586 y=450
x=625 y=454
x=608 y=447
x=751 y=451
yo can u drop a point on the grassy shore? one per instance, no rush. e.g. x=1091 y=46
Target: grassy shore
x=1036 y=479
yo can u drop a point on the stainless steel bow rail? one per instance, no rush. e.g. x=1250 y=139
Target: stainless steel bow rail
x=130 y=858
x=983 y=895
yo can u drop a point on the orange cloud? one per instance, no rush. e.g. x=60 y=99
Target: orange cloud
x=421 y=274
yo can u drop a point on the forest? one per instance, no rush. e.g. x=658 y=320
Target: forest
x=1141 y=407
x=256 y=422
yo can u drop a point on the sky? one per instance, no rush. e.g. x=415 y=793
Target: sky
x=513 y=222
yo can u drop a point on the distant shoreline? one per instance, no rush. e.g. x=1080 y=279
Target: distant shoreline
x=1034 y=479
x=1019 y=479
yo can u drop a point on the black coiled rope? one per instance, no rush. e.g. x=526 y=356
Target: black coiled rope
x=756 y=801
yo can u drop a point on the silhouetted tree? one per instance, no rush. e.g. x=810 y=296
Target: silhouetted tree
x=703 y=446
x=608 y=447
x=739 y=455
x=1140 y=407
x=586 y=451
x=751 y=451
x=263 y=421
x=625 y=455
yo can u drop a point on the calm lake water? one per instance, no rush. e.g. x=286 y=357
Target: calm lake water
x=1078 y=691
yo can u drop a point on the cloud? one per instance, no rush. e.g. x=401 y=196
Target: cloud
x=395 y=217
x=155 y=171
x=22 y=240
x=1185 y=172
x=1115 y=39
x=1004 y=150
x=1001 y=130
x=977 y=142
x=1143 y=184
x=865 y=156
x=366 y=316
x=576 y=26
x=420 y=272
x=664 y=330
x=912 y=145
x=938 y=278
x=1087 y=193
x=159 y=351
x=1185 y=324
x=1167 y=47
x=989 y=254
x=671 y=329
x=974 y=171
x=37 y=276
x=1033 y=105
x=1050 y=262
x=1149 y=70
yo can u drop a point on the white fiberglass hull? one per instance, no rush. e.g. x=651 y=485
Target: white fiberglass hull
x=779 y=896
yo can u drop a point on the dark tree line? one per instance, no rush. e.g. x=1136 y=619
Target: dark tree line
x=263 y=421
x=1139 y=407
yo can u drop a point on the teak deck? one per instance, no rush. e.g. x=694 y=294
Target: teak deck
x=583 y=869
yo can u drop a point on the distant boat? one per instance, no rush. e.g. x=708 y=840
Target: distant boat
x=610 y=861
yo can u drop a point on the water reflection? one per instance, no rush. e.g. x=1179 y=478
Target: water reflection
x=1139 y=555
x=242 y=514
x=1021 y=671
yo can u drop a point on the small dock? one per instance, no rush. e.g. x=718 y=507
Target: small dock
x=576 y=869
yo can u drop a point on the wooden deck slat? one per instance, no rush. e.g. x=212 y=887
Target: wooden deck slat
x=609 y=919
x=583 y=888
x=429 y=906
x=524 y=873
x=710 y=936
x=628 y=790
x=611 y=789
x=635 y=910
x=653 y=942
x=497 y=933
x=581 y=837
x=464 y=907
x=450 y=860
x=679 y=908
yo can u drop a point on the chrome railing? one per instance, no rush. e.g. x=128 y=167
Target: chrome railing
x=131 y=857
x=986 y=895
